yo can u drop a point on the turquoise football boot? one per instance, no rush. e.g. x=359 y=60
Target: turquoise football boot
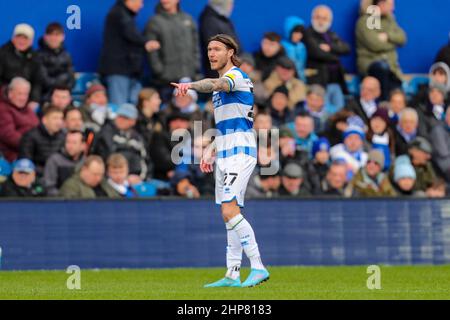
x=225 y=282
x=256 y=277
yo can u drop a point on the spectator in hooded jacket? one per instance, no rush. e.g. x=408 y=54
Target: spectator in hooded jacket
x=61 y=165
x=439 y=74
x=325 y=48
x=293 y=44
x=215 y=19
x=16 y=117
x=57 y=68
x=18 y=59
x=440 y=140
x=121 y=58
x=40 y=143
x=179 y=55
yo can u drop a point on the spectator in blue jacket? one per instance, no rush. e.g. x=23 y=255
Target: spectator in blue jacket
x=295 y=49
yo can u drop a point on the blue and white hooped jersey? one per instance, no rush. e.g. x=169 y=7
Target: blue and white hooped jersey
x=233 y=113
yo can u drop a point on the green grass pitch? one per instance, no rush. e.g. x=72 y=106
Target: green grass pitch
x=399 y=282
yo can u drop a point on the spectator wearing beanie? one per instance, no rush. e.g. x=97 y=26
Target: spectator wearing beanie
x=420 y=152
x=404 y=177
x=279 y=107
x=321 y=157
x=351 y=150
x=292 y=181
x=370 y=181
x=381 y=136
x=95 y=110
x=18 y=59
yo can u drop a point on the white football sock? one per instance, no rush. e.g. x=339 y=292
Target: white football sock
x=234 y=254
x=248 y=241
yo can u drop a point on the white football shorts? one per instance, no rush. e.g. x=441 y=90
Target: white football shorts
x=232 y=176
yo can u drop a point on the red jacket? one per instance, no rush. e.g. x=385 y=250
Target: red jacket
x=14 y=122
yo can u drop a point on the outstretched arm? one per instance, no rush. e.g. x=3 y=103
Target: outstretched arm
x=204 y=86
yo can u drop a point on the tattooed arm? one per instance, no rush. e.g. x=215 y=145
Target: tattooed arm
x=203 y=86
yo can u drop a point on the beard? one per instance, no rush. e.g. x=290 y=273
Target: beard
x=321 y=28
x=220 y=65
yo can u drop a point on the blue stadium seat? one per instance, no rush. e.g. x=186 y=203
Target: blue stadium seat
x=82 y=83
x=150 y=188
x=353 y=85
x=5 y=168
x=412 y=85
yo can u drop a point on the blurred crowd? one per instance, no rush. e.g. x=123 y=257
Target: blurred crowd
x=116 y=141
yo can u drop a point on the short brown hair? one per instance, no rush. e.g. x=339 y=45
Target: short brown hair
x=231 y=44
x=117 y=160
x=54 y=27
x=144 y=95
x=272 y=36
x=52 y=109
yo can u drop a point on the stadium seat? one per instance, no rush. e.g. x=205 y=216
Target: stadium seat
x=353 y=82
x=411 y=87
x=82 y=83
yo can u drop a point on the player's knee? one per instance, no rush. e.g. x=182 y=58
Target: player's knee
x=230 y=210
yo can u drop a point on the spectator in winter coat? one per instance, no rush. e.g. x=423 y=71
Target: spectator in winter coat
x=89 y=182
x=367 y=103
x=370 y=181
x=325 y=48
x=279 y=108
x=381 y=136
x=293 y=44
x=179 y=55
x=440 y=139
x=121 y=57
x=61 y=165
x=215 y=19
x=118 y=177
x=40 y=143
x=292 y=179
x=420 y=152
x=17 y=59
x=95 y=110
x=376 y=48
x=284 y=74
x=405 y=177
x=267 y=57
x=315 y=106
x=351 y=151
x=120 y=136
x=336 y=180
x=16 y=117
x=57 y=68
x=407 y=129
x=22 y=183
